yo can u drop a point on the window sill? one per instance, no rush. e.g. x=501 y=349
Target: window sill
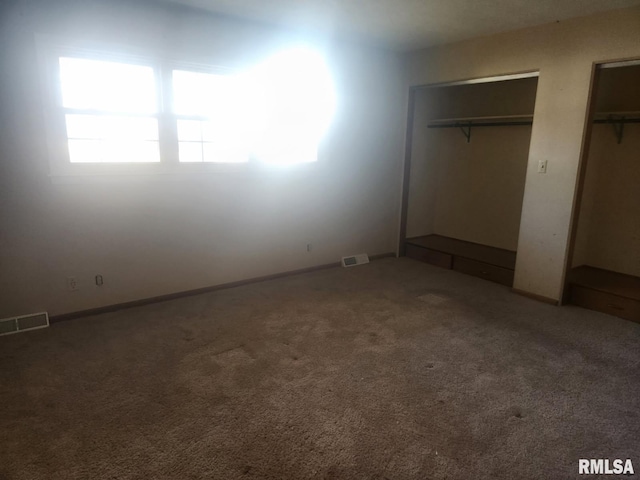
x=183 y=172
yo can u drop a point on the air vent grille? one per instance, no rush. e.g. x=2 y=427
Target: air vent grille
x=354 y=260
x=24 y=323
x=8 y=326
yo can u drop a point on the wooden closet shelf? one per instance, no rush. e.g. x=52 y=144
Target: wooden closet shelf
x=487 y=121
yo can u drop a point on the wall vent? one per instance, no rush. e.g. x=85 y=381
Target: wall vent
x=354 y=260
x=23 y=323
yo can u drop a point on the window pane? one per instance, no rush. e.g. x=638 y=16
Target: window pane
x=213 y=131
x=85 y=151
x=224 y=153
x=190 y=151
x=101 y=151
x=107 y=86
x=201 y=94
x=84 y=126
x=109 y=127
x=123 y=151
x=190 y=130
x=130 y=128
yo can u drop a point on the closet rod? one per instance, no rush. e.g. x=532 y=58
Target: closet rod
x=617 y=120
x=483 y=124
x=466 y=127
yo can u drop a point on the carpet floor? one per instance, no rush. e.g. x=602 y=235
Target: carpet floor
x=392 y=370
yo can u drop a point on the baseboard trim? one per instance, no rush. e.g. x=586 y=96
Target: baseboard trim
x=188 y=293
x=539 y=298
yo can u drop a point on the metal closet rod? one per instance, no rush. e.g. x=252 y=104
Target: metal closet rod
x=618 y=122
x=525 y=122
x=482 y=124
x=465 y=127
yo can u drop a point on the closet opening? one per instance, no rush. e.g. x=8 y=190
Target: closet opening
x=465 y=168
x=604 y=262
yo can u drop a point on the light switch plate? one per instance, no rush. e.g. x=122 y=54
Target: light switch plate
x=542 y=166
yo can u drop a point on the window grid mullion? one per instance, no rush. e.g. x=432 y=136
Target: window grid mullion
x=168 y=126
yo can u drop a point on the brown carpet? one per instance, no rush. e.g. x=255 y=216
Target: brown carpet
x=392 y=370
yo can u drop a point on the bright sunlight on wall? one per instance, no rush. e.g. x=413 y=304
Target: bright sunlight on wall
x=298 y=103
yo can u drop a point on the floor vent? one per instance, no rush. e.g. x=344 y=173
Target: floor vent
x=354 y=260
x=23 y=323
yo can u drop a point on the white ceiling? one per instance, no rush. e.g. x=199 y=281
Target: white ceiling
x=408 y=24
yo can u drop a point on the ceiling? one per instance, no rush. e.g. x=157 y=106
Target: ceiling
x=408 y=24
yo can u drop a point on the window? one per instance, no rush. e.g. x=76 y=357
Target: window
x=106 y=111
x=212 y=125
x=110 y=111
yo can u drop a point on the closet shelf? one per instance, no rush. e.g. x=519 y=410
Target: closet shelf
x=466 y=123
x=631 y=115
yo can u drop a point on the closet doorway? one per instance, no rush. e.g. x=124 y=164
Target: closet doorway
x=604 y=268
x=466 y=162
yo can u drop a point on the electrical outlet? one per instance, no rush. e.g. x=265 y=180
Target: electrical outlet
x=72 y=283
x=542 y=166
x=308 y=247
x=99 y=280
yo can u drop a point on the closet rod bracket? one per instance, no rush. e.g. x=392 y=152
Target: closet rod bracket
x=617 y=123
x=466 y=131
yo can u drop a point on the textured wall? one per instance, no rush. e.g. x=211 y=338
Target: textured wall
x=150 y=236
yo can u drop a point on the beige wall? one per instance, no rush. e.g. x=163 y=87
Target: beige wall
x=564 y=53
x=471 y=191
x=481 y=185
x=423 y=187
x=150 y=236
x=609 y=222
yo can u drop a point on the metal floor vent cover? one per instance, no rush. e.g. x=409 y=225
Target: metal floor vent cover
x=354 y=260
x=23 y=323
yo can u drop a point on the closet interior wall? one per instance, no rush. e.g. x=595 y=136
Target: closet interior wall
x=470 y=191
